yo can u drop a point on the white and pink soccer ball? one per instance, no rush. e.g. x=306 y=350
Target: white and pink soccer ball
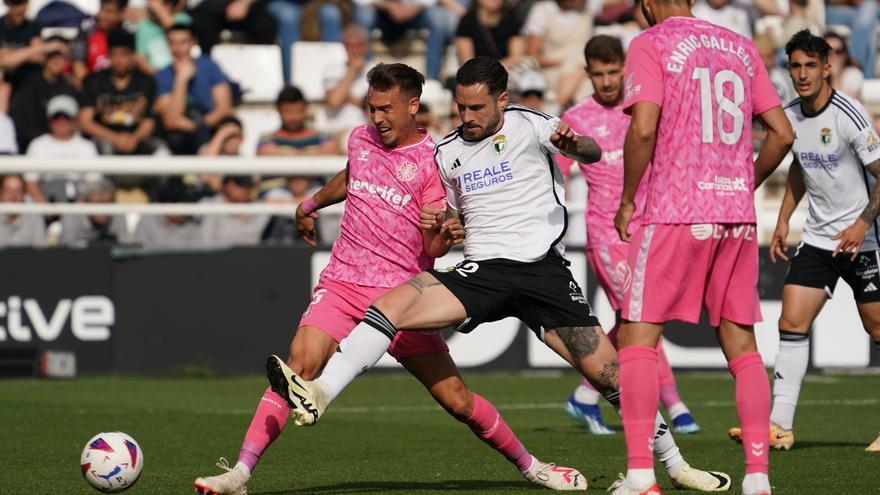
x=112 y=461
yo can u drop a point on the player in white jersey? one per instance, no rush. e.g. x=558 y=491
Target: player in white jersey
x=500 y=175
x=836 y=165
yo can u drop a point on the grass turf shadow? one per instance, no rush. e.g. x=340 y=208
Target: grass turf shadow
x=406 y=486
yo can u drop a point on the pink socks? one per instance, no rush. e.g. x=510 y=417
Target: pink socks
x=269 y=420
x=668 y=389
x=487 y=424
x=753 y=407
x=639 y=398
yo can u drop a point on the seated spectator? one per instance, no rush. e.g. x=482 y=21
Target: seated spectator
x=396 y=17
x=168 y=230
x=116 y=103
x=193 y=94
x=860 y=16
x=725 y=14
x=556 y=33
x=21 y=49
x=210 y=17
x=530 y=90
x=294 y=137
x=150 y=40
x=234 y=229
x=846 y=76
x=62 y=141
x=28 y=105
x=90 y=50
x=492 y=29
x=288 y=16
x=778 y=75
x=294 y=190
x=346 y=84
x=8 y=143
x=803 y=14
x=88 y=229
x=19 y=230
x=226 y=140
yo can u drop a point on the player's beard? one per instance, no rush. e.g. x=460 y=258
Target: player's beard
x=489 y=129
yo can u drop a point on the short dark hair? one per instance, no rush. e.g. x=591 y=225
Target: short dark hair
x=290 y=94
x=605 y=49
x=483 y=69
x=120 y=38
x=385 y=77
x=808 y=43
x=181 y=26
x=229 y=119
x=120 y=4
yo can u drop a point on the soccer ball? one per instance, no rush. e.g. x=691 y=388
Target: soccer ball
x=112 y=461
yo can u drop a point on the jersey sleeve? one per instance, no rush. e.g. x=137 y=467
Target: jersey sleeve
x=643 y=74
x=433 y=190
x=544 y=126
x=451 y=192
x=765 y=96
x=860 y=134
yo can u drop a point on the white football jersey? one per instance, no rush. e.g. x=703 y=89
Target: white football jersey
x=833 y=148
x=508 y=188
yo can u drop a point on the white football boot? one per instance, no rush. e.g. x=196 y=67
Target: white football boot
x=549 y=475
x=306 y=400
x=232 y=482
x=688 y=478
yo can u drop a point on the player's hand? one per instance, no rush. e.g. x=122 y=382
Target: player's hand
x=305 y=226
x=453 y=231
x=430 y=217
x=779 y=245
x=851 y=239
x=564 y=138
x=622 y=220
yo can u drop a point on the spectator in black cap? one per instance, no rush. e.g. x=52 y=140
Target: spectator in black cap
x=116 y=103
x=28 y=105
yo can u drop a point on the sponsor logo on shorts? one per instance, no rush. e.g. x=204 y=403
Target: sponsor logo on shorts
x=406 y=171
x=316 y=298
x=704 y=231
x=576 y=294
x=724 y=186
x=624 y=276
x=867 y=268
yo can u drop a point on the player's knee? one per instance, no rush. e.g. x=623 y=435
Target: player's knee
x=793 y=324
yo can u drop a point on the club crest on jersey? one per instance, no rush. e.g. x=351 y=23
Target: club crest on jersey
x=364 y=155
x=826 y=136
x=499 y=144
x=406 y=171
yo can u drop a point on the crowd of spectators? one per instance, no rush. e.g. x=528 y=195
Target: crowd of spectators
x=139 y=79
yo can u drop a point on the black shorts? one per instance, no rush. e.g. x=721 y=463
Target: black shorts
x=815 y=267
x=543 y=294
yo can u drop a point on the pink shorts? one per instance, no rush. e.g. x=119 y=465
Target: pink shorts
x=337 y=307
x=611 y=266
x=679 y=269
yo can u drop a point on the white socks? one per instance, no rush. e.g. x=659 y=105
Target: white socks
x=755 y=483
x=677 y=410
x=358 y=352
x=586 y=395
x=791 y=366
x=665 y=449
x=640 y=478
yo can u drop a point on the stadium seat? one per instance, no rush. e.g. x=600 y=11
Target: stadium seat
x=308 y=61
x=256 y=122
x=871 y=96
x=257 y=68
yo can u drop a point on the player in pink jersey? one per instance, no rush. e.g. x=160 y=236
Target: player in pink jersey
x=602 y=116
x=692 y=88
x=390 y=177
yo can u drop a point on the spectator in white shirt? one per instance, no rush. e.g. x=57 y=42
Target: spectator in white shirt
x=345 y=84
x=19 y=230
x=87 y=229
x=234 y=229
x=62 y=141
x=725 y=14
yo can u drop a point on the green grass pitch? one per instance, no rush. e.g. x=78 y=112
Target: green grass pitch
x=385 y=435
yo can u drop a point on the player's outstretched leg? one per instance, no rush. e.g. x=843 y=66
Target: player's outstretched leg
x=438 y=373
x=583 y=406
x=589 y=350
x=683 y=422
x=310 y=349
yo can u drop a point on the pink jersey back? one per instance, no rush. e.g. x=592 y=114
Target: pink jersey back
x=380 y=244
x=709 y=82
x=604 y=178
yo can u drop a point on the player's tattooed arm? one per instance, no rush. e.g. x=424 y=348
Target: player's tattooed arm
x=873 y=208
x=581 y=148
x=581 y=342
